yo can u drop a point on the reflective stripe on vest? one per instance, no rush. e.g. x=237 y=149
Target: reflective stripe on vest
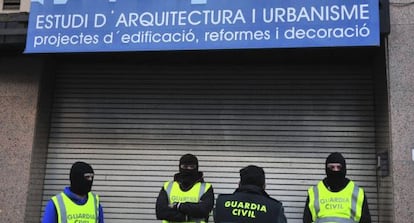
x=65 y=207
x=334 y=220
x=176 y=195
x=351 y=193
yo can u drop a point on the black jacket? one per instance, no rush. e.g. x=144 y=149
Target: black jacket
x=184 y=211
x=249 y=203
x=365 y=215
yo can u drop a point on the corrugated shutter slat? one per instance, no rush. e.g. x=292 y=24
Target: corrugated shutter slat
x=132 y=123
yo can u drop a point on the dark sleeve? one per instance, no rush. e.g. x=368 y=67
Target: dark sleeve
x=307 y=216
x=365 y=215
x=282 y=217
x=164 y=211
x=50 y=214
x=201 y=209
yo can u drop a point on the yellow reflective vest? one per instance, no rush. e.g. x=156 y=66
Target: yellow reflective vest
x=344 y=206
x=176 y=195
x=70 y=212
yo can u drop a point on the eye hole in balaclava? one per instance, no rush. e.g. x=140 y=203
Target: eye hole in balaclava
x=335 y=177
x=81 y=178
x=188 y=164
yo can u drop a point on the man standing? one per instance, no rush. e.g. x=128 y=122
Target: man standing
x=249 y=203
x=187 y=198
x=336 y=198
x=76 y=203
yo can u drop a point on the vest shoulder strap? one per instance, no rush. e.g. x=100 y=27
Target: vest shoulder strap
x=168 y=187
x=60 y=207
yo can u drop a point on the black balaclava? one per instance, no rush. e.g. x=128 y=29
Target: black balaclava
x=252 y=175
x=78 y=183
x=188 y=177
x=336 y=179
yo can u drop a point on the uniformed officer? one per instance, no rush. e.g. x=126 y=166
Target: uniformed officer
x=76 y=203
x=187 y=198
x=336 y=198
x=249 y=203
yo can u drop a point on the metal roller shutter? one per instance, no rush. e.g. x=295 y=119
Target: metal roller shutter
x=132 y=123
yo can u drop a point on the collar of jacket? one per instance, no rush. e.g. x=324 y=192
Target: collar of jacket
x=253 y=189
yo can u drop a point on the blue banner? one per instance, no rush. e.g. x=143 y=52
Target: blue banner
x=153 y=25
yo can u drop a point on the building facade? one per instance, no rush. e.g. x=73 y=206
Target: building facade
x=132 y=115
